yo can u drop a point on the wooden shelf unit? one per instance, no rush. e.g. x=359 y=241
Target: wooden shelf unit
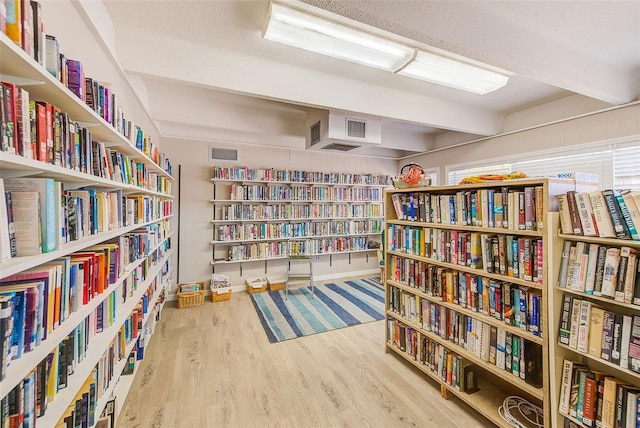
x=559 y=352
x=490 y=397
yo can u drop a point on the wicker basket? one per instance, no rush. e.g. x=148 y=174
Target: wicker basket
x=256 y=285
x=191 y=299
x=221 y=294
x=276 y=284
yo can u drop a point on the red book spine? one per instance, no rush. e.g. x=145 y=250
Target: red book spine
x=41 y=132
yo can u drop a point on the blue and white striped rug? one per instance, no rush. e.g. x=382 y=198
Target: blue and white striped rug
x=335 y=305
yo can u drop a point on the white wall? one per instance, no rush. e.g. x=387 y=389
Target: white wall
x=196 y=230
x=607 y=125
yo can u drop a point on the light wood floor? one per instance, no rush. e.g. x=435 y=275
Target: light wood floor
x=212 y=366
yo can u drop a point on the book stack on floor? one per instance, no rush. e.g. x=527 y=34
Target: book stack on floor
x=597 y=310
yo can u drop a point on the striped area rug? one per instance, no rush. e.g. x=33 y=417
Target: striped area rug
x=335 y=305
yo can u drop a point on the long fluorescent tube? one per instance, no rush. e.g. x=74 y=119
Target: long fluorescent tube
x=299 y=29
x=445 y=71
x=306 y=31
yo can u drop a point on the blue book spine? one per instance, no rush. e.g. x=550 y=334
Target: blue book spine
x=535 y=315
x=516 y=258
x=491 y=211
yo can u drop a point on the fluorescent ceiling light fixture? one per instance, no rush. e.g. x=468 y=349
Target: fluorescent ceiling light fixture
x=445 y=71
x=316 y=34
x=305 y=31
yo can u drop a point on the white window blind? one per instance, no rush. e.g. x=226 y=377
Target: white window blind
x=626 y=167
x=433 y=173
x=616 y=164
x=456 y=175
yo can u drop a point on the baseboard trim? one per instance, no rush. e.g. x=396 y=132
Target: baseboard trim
x=243 y=288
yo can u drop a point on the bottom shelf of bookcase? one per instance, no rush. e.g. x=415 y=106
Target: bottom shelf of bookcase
x=486 y=401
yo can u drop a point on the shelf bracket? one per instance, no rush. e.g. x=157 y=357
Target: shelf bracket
x=265 y=267
x=240 y=269
x=349 y=258
x=330 y=259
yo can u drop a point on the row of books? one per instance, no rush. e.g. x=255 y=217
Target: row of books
x=27 y=30
x=508 y=255
x=603 y=334
x=246 y=192
x=596 y=399
x=29 y=399
x=280 y=249
x=246 y=231
x=38 y=216
x=42 y=131
x=490 y=344
x=299 y=212
x=256 y=251
x=37 y=301
x=517 y=306
x=600 y=270
x=608 y=213
x=500 y=208
x=454 y=370
x=272 y=174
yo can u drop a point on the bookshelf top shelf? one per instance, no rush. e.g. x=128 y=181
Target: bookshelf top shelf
x=515 y=183
x=44 y=87
x=300 y=183
x=604 y=241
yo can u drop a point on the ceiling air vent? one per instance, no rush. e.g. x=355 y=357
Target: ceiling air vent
x=315 y=132
x=356 y=128
x=218 y=154
x=339 y=147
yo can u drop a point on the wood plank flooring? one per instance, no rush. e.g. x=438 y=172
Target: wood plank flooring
x=212 y=366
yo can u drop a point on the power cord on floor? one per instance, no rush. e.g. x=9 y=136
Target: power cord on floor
x=520 y=413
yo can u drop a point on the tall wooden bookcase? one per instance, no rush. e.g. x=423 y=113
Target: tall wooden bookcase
x=560 y=352
x=439 y=244
x=256 y=213
x=140 y=282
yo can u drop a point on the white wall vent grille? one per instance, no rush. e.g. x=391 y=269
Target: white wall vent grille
x=218 y=154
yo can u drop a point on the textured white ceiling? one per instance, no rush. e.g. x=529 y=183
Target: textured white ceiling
x=554 y=48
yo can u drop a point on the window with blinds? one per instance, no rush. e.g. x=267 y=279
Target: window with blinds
x=616 y=164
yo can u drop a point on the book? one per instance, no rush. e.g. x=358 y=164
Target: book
x=595 y=332
x=619 y=225
x=609 y=401
x=632 y=207
x=610 y=273
x=599 y=275
x=584 y=326
x=565 y=387
x=621 y=274
x=574 y=323
x=601 y=215
x=14 y=21
x=585 y=213
x=625 y=337
x=49 y=210
x=607 y=335
x=5 y=240
x=26 y=224
x=564 y=264
x=565 y=319
x=566 y=226
x=626 y=216
x=592 y=261
x=576 y=225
